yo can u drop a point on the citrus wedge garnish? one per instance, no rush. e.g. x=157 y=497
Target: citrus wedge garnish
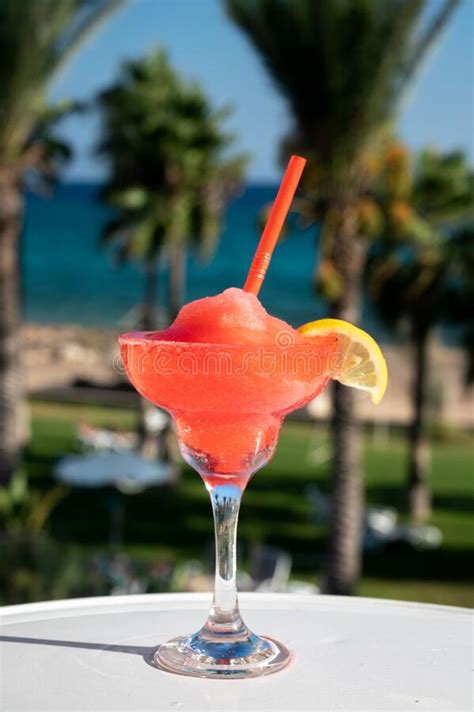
x=360 y=362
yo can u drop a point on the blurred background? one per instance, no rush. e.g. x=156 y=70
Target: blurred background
x=141 y=144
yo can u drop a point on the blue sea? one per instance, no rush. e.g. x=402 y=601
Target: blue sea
x=68 y=277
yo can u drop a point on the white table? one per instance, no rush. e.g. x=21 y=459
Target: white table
x=350 y=654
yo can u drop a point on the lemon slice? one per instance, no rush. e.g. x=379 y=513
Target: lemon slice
x=360 y=362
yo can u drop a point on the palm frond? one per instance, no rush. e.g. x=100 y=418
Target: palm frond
x=424 y=274
x=339 y=64
x=36 y=37
x=90 y=16
x=427 y=42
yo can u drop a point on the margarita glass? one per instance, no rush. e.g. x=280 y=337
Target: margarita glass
x=228 y=384
x=228 y=373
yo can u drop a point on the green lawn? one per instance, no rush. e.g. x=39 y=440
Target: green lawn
x=177 y=521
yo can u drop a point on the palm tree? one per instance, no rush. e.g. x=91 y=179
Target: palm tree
x=168 y=179
x=343 y=67
x=36 y=37
x=422 y=273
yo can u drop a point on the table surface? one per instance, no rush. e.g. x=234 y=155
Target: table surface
x=349 y=654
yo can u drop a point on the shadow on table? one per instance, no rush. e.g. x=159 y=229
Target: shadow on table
x=144 y=651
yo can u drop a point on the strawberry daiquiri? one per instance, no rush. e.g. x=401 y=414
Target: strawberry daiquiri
x=228 y=373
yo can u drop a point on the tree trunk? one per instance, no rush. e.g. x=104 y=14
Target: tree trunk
x=11 y=395
x=345 y=525
x=150 y=295
x=176 y=277
x=418 y=492
x=147 y=438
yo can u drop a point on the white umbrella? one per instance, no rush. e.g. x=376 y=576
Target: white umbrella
x=128 y=471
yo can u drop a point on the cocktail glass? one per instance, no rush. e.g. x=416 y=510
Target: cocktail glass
x=227 y=403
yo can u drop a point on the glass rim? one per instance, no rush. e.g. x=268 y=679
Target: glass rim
x=132 y=338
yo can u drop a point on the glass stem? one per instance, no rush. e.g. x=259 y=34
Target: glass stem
x=225 y=616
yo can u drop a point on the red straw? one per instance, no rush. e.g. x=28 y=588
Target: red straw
x=280 y=207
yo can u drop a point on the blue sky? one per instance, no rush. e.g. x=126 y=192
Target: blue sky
x=204 y=45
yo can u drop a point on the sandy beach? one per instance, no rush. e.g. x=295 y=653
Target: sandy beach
x=58 y=356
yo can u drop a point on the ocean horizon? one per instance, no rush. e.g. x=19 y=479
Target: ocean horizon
x=70 y=278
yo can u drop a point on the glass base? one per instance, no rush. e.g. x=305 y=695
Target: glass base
x=219 y=656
